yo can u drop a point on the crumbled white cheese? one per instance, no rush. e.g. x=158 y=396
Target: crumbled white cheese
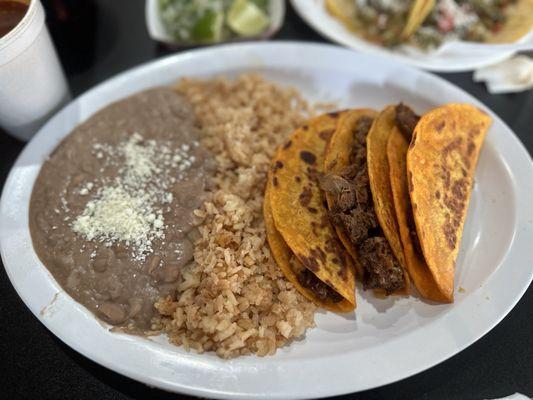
x=139 y=159
x=116 y=215
x=461 y=15
x=168 y=198
x=84 y=191
x=128 y=209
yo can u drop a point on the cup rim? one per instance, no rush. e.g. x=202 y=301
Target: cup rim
x=21 y=26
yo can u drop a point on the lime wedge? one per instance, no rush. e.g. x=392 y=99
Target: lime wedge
x=209 y=27
x=246 y=19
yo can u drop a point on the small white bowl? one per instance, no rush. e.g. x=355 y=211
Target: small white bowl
x=158 y=31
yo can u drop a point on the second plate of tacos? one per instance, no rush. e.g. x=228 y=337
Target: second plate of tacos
x=429 y=23
x=424 y=32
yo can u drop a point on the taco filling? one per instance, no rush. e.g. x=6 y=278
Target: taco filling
x=353 y=209
x=310 y=281
x=383 y=21
x=406 y=120
x=470 y=20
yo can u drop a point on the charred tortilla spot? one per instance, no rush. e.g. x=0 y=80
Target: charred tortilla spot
x=343 y=271
x=440 y=126
x=446 y=176
x=334 y=114
x=278 y=165
x=305 y=196
x=314 y=227
x=336 y=260
x=463 y=172
x=410 y=181
x=326 y=134
x=305 y=128
x=455 y=205
x=450 y=236
x=319 y=253
x=297 y=179
x=459 y=188
x=287 y=144
x=452 y=204
x=472 y=133
x=275 y=181
x=324 y=221
x=313 y=175
x=470 y=148
x=312 y=210
x=307 y=157
x=331 y=246
x=310 y=263
x=454 y=145
x=437 y=194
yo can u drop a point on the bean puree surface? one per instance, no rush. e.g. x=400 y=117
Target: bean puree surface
x=112 y=210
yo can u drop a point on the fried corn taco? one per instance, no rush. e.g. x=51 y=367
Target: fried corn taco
x=357 y=188
x=383 y=22
x=397 y=146
x=491 y=21
x=302 y=240
x=429 y=23
x=441 y=162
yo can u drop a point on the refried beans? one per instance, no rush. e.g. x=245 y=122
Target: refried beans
x=112 y=213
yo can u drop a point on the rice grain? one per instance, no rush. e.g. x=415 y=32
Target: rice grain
x=234 y=300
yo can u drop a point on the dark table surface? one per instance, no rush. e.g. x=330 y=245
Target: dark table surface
x=110 y=38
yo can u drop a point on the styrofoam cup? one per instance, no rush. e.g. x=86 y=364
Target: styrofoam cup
x=32 y=82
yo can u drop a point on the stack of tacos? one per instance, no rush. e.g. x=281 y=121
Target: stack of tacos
x=376 y=196
x=428 y=23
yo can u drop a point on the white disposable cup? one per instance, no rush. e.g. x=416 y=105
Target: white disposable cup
x=32 y=82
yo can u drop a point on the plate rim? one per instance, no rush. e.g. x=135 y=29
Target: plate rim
x=175 y=60
x=322 y=29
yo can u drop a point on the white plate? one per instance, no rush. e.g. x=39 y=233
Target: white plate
x=385 y=340
x=315 y=14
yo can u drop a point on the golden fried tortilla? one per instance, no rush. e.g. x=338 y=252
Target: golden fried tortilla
x=298 y=207
x=441 y=162
x=289 y=265
x=337 y=157
x=519 y=22
x=420 y=9
x=416 y=264
x=345 y=11
x=378 y=172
